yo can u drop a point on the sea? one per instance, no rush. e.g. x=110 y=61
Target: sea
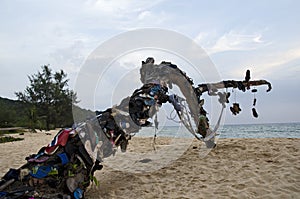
x=273 y=130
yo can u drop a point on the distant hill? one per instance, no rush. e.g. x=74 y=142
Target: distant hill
x=14 y=113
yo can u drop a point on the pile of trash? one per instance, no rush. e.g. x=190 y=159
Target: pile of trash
x=63 y=169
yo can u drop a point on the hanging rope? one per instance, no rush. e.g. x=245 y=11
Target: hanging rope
x=254 y=98
x=154 y=140
x=155 y=130
x=254 y=113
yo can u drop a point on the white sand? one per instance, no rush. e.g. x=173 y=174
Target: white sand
x=236 y=168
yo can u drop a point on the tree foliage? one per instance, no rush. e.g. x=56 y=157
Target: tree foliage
x=49 y=98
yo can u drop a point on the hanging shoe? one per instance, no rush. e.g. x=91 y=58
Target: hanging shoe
x=236 y=108
x=222 y=98
x=241 y=86
x=201 y=102
x=239 y=108
x=254 y=90
x=247 y=78
x=227 y=97
x=254 y=101
x=254 y=113
x=232 y=110
x=212 y=92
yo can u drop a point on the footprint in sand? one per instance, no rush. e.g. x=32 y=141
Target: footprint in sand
x=146 y=160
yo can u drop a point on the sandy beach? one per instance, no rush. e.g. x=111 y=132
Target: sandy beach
x=236 y=168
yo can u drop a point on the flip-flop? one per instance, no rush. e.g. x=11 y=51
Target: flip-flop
x=236 y=107
x=254 y=101
x=232 y=110
x=254 y=113
x=39 y=160
x=40 y=172
x=247 y=77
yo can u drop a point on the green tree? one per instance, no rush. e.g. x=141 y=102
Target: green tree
x=49 y=96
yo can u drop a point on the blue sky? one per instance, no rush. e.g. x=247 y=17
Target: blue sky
x=237 y=35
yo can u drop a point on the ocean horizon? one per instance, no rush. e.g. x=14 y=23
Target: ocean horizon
x=269 y=130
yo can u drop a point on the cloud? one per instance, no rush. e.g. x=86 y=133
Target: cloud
x=120 y=8
x=232 y=40
x=144 y=15
x=280 y=64
x=124 y=14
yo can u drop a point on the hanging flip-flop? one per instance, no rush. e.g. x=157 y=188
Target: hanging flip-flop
x=254 y=90
x=222 y=98
x=227 y=97
x=254 y=113
x=241 y=86
x=232 y=110
x=236 y=107
x=247 y=77
x=254 y=101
